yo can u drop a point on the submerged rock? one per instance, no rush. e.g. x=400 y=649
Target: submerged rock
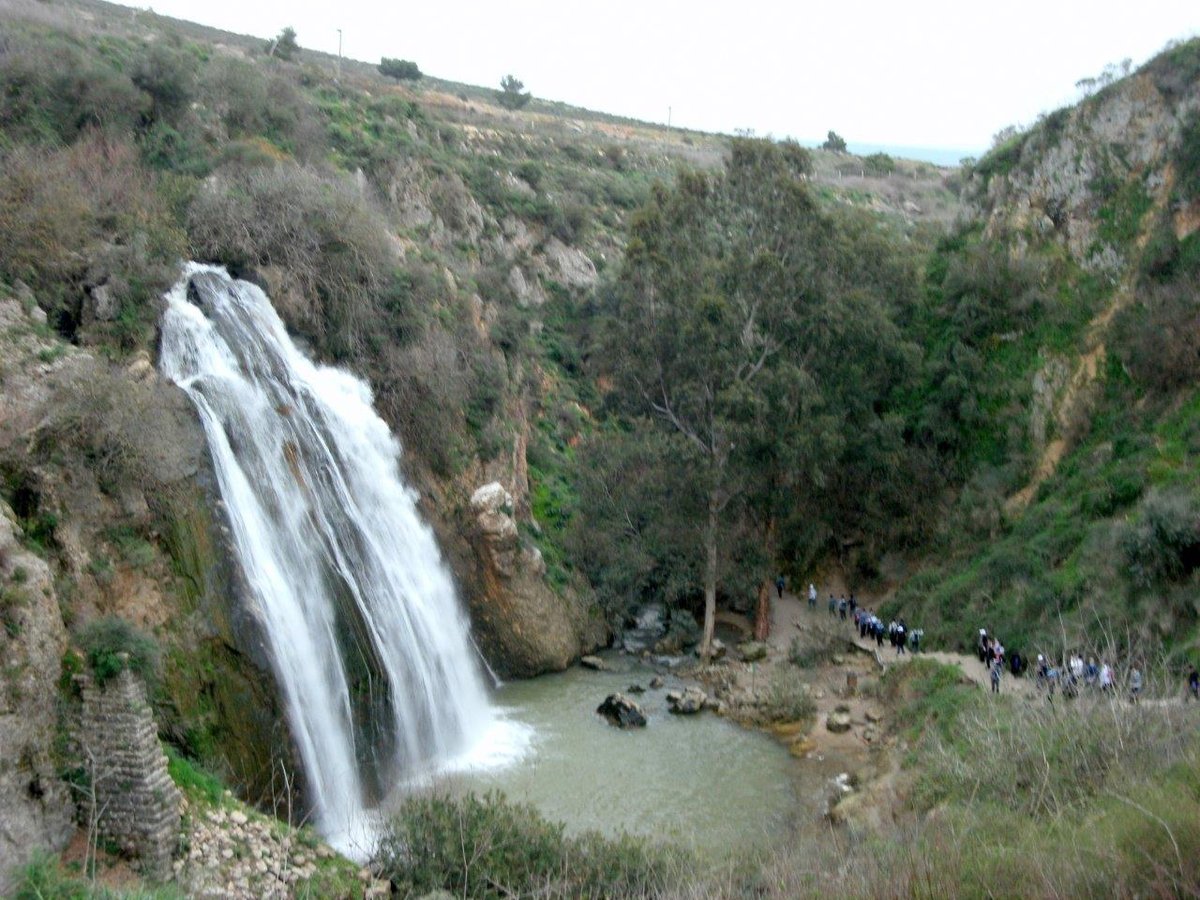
x=619 y=710
x=656 y=682
x=636 y=689
x=594 y=663
x=686 y=702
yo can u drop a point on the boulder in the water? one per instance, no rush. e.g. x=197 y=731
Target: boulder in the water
x=687 y=702
x=593 y=662
x=636 y=689
x=619 y=710
x=753 y=651
x=656 y=682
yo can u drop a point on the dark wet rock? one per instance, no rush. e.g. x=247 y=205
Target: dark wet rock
x=619 y=710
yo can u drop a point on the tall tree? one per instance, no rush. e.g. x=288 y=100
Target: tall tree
x=758 y=329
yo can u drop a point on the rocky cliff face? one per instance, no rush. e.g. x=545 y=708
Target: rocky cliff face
x=524 y=627
x=36 y=809
x=1086 y=174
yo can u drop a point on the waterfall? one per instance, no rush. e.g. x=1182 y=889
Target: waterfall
x=370 y=645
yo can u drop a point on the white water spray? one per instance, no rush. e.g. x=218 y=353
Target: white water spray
x=370 y=646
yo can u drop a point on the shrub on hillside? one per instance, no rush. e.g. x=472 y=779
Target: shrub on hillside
x=87 y=214
x=1159 y=336
x=55 y=90
x=106 y=641
x=315 y=225
x=1163 y=542
x=399 y=69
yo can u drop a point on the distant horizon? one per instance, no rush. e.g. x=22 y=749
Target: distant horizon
x=922 y=79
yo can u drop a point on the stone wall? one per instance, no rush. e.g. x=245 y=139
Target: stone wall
x=137 y=804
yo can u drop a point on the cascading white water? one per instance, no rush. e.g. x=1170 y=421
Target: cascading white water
x=370 y=645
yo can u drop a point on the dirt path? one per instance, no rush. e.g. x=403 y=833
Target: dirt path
x=791 y=613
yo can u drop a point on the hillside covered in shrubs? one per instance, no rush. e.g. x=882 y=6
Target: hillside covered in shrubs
x=694 y=361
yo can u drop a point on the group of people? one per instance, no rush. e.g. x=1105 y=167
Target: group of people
x=868 y=624
x=1071 y=676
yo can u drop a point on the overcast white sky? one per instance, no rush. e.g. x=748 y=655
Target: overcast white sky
x=917 y=73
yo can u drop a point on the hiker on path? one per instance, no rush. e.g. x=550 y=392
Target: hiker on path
x=1106 y=677
x=1194 y=684
x=779 y=583
x=842 y=609
x=997 y=672
x=832 y=606
x=812 y=596
x=1135 y=683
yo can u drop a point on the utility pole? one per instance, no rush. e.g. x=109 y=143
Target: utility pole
x=339 y=65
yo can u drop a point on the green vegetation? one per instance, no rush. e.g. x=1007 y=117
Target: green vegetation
x=834 y=142
x=113 y=645
x=487 y=846
x=400 y=69
x=512 y=93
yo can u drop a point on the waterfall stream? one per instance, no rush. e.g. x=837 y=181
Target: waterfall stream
x=370 y=645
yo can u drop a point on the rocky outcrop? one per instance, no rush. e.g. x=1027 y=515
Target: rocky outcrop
x=1055 y=179
x=619 y=710
x=36 y=809
x=523 y=626
x=687 y=702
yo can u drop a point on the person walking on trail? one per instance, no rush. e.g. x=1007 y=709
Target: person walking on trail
x=812 y=596
x=832 y=605
x=997 y=673
x=1106 y=677
x=1135 y=683
x=901 y=637
x=1194 y=683
x=779 y=583
x=842 y=609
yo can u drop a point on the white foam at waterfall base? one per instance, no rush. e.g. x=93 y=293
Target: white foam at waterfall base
x=335 y=554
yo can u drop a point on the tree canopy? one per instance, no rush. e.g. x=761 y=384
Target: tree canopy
x=512 y=93
x=756 y=332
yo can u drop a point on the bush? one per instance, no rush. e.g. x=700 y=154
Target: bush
x=88 y=214
x=399 y=69
x=788 y=698
x=1163 y=543
x=1159 y=337
x=489 y=847
x=314 y=225
x=55 y=90
x=105 y=640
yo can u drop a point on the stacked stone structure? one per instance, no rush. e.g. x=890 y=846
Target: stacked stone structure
x=138 y=804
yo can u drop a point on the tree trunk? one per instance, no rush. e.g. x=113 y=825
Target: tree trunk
x=710 y=577
x=762 y=612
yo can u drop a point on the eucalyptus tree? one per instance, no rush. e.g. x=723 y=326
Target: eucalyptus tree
x=731 y=326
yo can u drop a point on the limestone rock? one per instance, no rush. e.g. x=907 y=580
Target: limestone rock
x=594 y=663
x=838 y=722
x=523 y=626
x=36 y=810
x=622 y=712
x=569 y=265
x=656 y=682
x=687 y=702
